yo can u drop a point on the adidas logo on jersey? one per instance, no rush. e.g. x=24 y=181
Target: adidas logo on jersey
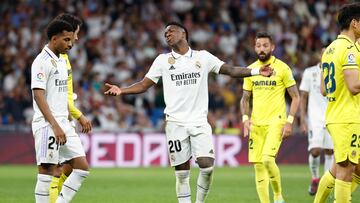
x=172 y=67
x=56 y=72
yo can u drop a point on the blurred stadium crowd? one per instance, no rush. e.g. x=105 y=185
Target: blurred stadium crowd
x=120 y=39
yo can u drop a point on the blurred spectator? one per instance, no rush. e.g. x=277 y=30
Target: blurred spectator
x=119 y=40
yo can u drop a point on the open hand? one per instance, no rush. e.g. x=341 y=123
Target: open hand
x=113 y=90
x=85 y=124
x=266 y=70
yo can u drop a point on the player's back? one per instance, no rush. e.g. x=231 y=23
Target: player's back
x=341 y=54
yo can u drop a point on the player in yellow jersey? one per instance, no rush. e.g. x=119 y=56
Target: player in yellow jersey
x=64 y=170
x=268 y=125
x=340 y=64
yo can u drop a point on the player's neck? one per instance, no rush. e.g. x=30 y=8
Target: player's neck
x=181 y=49
x=52 y=48
x=350 y=34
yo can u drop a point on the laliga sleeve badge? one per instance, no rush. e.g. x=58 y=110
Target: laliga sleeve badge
x=351 y=58
x=171 y=60
x=198 y=64
x=54 y=63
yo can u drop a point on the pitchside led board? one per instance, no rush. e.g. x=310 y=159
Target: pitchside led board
x=136 y=150
x=145 y=150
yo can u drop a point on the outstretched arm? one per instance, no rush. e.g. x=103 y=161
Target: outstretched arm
x=245 y=109
x=135 y=88
x=240 y=72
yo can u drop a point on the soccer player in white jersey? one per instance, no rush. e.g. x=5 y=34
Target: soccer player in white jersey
x=313 y=106
x=54 y=136
x=184 y=75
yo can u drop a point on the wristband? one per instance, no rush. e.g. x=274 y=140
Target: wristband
x=290 y=119
x=245 y=118
x=255 y=71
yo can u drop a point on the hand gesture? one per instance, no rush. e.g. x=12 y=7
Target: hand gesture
x=266 y=70
x=85 y=124
x=247 y=125
x=113 y=90
x=287 y=130
x=59 y=135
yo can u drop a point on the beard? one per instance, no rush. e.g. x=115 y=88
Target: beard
x=262 y=56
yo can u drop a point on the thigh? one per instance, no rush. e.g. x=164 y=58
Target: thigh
x=346 y=138
x=46 y=148
x=256 y=143
x=73 y=147
x=178 y=141
x=273 y=139
x=201 y=141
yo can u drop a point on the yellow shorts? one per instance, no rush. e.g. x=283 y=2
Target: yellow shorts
x=264 y=140
x=346 y=138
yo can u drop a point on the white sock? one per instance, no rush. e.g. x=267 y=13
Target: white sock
x=42 y=188
x=71 y=185
x=183 y=191
x=203 y=184
x=328 y=162
x=314 y=165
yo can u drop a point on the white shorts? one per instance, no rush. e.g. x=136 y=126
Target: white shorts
x=319 y=137
x=187 y=141
x=47 y=151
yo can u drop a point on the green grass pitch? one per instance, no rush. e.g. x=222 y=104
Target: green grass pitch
x=157 y=185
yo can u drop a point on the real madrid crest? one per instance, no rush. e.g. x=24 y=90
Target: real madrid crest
x=198 y=64
x=171 y=60
x=54 y=63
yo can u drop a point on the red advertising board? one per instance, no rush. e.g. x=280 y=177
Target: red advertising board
x=144 y=150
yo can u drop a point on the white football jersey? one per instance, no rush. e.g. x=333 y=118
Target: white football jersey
x=185 y=84
x=49 y=72
x=316 y=101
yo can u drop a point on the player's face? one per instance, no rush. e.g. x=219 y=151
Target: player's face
x=264 y=48
x=63 y=42
x=174 y=34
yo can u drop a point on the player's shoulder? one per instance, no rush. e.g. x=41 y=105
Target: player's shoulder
x=42 y=58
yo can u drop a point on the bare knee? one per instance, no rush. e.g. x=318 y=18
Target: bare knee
x=79 y=163
x=205 y=162
x=315 y=152
x=183 y=166
x=328 y=151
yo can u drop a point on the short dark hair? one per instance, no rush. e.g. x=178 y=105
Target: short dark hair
x=347 y=13
x=58 y=26
x=181 y=26
x=73 y=20
x=264 y=35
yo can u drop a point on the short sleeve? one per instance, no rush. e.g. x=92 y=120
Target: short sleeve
x=214 y=63
x=39 y=76
x=288 y=77
x=247 y=84
x=305 y=81
x=155 y=71
x=351 y=58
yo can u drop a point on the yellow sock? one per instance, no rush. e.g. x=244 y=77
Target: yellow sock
x=262 y=183
x=342 y=191
x=61 y=181
x=325 y=187
x=53 y=191
x=274 y=175
x=355 y=182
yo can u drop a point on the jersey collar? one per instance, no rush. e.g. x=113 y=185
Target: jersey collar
x=51 y=54
x=345 y=37
x=189 y=54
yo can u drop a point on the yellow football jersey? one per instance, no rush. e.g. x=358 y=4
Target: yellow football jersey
x=341 y=54
x=268 y=93
x=74 y=112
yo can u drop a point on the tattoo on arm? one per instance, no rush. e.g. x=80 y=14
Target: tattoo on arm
x=235 y=72
x=245 y=103
x=295 y=99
